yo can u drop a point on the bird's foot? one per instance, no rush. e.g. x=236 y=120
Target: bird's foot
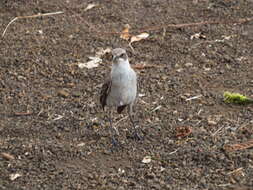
x=136 y=136
x=115 y=142
x=115 y=145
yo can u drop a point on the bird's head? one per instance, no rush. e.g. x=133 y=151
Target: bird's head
x=119 y=55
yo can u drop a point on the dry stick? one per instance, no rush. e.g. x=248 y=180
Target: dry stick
x=120 y=121
x=240 y=146
x=31 y=16
x=23 y=113
x=218 y=131
x=240 y=21
x=7 y=156
x=234 y=171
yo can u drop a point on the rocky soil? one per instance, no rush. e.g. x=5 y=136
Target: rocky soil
x=53 y=132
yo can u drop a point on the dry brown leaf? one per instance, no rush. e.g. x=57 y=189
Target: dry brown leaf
x=7 y=156
x=198 y=36
x=90 y=6
x=183 y=131
x=125 y=33
x=63 y=93
x=23 y=113
x=94 y=62
x=139 y=37
x=240 y=146
x=102 y=52
x=144 y=66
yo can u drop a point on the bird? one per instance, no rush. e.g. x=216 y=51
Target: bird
x=120 y=90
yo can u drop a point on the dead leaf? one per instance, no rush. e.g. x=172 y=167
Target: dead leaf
x=125 y=33
x=7 y=156
x=183 y=131
x=80 y=144
x=240 y=146
x=90 y=6
x=198 y=36
x=213 y=119
x=139 y=37
x=90 y=64
x=14 y=176
x=63 y=93
x=146 y=159
x=144 y=66
x=102 y=52
x=141 y=95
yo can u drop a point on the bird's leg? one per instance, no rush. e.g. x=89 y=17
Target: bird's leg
x=113 y=130
x=130 y=113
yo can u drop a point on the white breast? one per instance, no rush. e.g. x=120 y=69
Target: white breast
x=124 y=85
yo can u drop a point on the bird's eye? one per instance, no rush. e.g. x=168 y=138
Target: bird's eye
x=122 y=55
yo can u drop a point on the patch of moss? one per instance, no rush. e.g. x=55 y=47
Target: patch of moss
x=236 y=98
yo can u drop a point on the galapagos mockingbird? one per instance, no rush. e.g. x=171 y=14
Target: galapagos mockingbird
x=120 y=89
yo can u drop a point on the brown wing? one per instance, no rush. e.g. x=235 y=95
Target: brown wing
x=104 y=92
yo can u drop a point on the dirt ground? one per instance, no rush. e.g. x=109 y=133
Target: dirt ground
x=54 y=131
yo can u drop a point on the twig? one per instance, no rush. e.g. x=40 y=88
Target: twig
x=142 y=101
x=217 y=131
x=7 y=156
x=224 y=185
x=173 y=152
x=234 y=171
x=199 y=111
x=240 y=146
x=23 y=113
x=40 y=112
x=31 y=16
x=145 y=29
x=120 y=121
x=157 y=108
x=58 y=117
x=130 y=45
x=153 y=28
x=194 y=97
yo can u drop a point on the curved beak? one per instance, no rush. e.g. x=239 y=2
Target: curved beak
x=114 y=58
